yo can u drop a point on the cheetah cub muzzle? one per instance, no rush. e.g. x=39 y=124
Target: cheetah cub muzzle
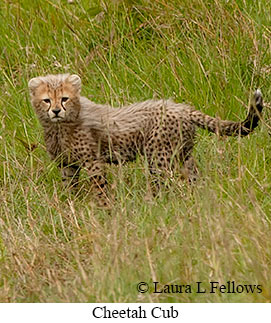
x=82 y=134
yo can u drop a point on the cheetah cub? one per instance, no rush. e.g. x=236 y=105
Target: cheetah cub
x=82 y=134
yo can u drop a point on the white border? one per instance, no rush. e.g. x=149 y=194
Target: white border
x=83 y=313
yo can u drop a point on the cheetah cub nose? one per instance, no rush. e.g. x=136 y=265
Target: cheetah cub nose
x=56 y=111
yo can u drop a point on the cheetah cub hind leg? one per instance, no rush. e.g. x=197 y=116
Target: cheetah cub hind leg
x=163 y=177
x=190 y=170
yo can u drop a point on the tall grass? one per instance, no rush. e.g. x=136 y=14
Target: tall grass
x=58 y=246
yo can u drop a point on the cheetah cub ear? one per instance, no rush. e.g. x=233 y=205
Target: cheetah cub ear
x=75 y=81
x=33 y=84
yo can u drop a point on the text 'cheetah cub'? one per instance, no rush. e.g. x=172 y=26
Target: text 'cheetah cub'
x=80 y=133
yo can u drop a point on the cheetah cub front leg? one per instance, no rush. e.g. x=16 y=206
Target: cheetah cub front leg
x=70 y=175
x=96 y=173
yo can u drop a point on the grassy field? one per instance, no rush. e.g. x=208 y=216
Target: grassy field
x=56 y=246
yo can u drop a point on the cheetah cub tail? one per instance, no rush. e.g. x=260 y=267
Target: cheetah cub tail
x=231 y=128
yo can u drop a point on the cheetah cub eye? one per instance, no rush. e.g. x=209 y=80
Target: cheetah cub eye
x=48 y=101
x=64 y=99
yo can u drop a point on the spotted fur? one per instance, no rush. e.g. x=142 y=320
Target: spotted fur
x=79 y=133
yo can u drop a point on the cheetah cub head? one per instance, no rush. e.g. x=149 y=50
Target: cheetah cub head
x=56 y=98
